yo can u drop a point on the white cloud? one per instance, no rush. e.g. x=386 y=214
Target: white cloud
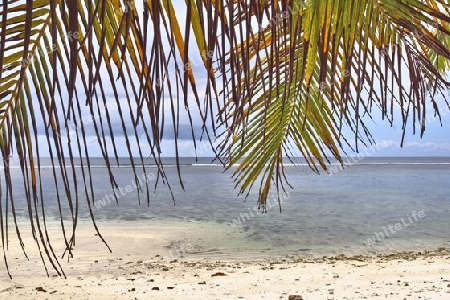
x=429 y=146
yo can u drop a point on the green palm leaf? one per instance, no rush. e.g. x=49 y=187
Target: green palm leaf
x=318 y=69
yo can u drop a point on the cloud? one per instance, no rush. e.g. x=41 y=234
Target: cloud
x=413 y=148
x=429 y=146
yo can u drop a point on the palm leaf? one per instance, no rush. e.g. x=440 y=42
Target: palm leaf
x=285 y=87
x=58 y=57
x=318 y=68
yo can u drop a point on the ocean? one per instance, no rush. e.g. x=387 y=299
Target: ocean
x=375 y=205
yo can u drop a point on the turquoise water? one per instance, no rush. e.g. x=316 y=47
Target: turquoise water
x=375 y=205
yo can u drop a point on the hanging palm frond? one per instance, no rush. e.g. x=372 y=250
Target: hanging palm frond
x=61 y=62
x=313 y=68
x=283 y=78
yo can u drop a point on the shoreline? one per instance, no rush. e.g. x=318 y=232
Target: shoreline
x=140 y=267
x=192 y=241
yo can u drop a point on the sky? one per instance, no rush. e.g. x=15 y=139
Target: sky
x=436 y=141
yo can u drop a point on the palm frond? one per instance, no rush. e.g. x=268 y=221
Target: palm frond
x=313 y=68
x=61 y=61
x=283 y=78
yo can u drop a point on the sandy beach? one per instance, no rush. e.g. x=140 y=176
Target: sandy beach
x=139 y=268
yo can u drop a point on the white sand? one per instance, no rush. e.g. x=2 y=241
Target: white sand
x=135 y=270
